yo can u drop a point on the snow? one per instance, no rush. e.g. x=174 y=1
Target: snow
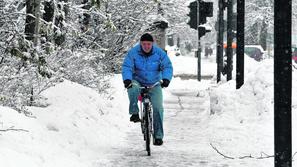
x=249 y=112
x=188 y=64
x=74 y=130
x=80 y=127
x=245 y=116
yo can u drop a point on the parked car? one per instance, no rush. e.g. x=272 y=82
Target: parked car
x=254 y=51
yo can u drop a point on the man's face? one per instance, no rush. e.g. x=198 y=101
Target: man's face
x=146 y=46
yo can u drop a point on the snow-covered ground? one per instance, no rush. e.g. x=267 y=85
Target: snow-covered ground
x=81 y=128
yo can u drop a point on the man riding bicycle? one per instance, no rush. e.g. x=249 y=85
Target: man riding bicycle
x=144 y=65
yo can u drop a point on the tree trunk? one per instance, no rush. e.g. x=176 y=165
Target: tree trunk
x=263 y=35
x=60 y=35
x=86 y=16
x=48 y=16
x=37 y=18
x=48 y=11
x=32 y=20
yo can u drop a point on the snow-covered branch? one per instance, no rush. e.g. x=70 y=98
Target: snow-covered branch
x=13 y=129
x=263 y=155
x=225 y=156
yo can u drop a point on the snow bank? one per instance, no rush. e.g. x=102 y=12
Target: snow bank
x=248 y=111
x=76 y=129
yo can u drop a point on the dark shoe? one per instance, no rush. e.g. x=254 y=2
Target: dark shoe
x=158 y=142
x=134 y=118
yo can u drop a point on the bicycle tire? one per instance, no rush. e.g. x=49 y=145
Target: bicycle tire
x=147 y=130
x=142 y=127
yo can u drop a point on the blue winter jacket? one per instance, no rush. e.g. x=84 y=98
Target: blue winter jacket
x=147 y=70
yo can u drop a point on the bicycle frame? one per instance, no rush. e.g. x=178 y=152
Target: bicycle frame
x=144 y=97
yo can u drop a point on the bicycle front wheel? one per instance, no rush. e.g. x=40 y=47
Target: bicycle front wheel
x=147 y=131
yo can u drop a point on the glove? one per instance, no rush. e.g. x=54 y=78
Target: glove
x=165 y=83
x=128 y=83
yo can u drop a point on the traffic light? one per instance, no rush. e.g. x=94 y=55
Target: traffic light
x=205 y=10
x=202 y=31
x=193 y=15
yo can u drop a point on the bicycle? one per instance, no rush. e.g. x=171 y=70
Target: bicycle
x=146 y=114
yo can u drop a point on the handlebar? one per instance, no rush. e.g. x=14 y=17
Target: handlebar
x=149 y=87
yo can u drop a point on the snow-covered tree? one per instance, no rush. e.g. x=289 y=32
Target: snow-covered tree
x=53 y=45
x=259 y=21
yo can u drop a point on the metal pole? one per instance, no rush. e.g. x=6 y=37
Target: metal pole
x=199 y=64
x=220 y=43
x=282 y=83
x=199 y=45
x=229 y=39
x=240 y=44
